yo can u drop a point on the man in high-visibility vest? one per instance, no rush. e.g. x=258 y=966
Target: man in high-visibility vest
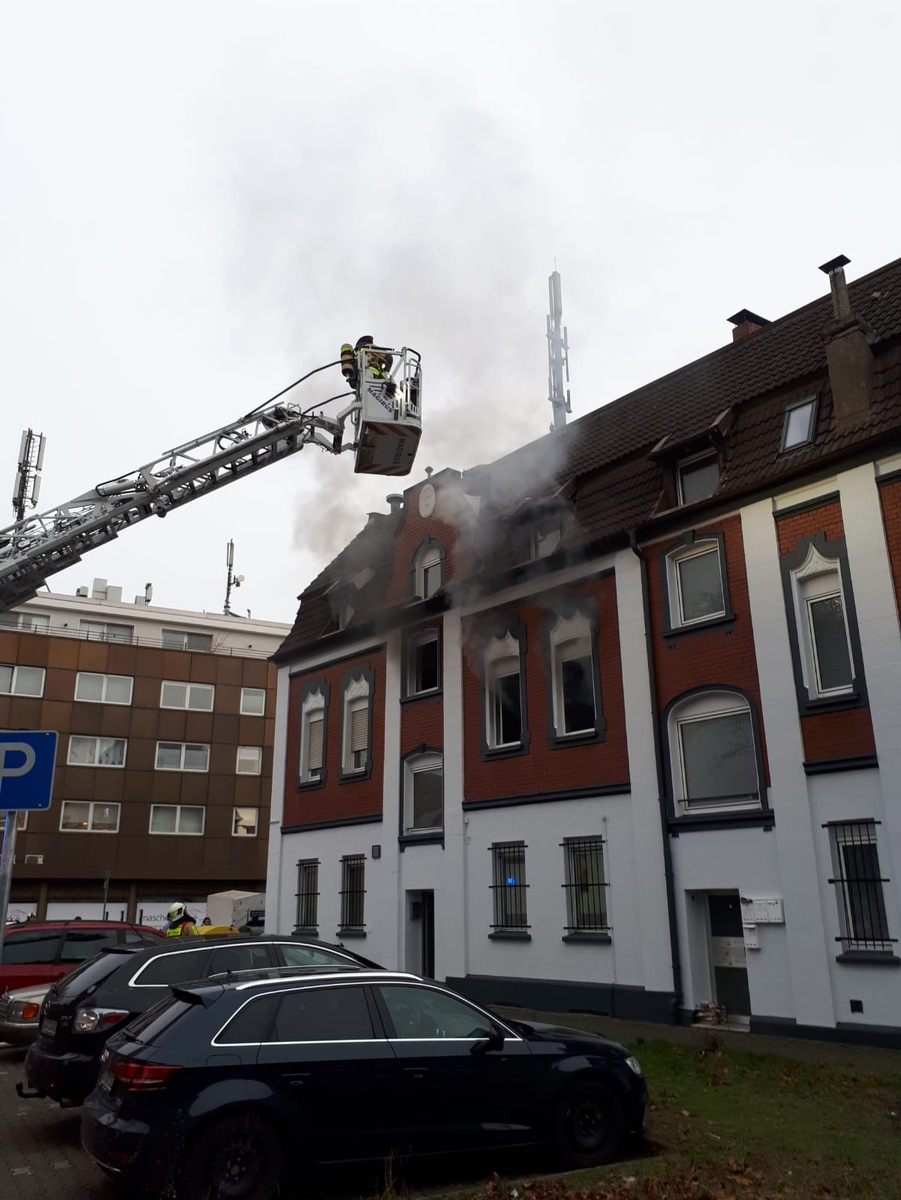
x=181 y=923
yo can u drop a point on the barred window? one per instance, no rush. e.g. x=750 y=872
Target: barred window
x=586 y=896
x=509 y=886
x=858 y=882
x=307 y=893
x=353 y=892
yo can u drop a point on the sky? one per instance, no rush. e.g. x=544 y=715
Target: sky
x=203 y=199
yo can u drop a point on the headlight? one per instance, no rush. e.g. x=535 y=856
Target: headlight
x=24 y=1010
x=89 y=1020
x=633 y=1064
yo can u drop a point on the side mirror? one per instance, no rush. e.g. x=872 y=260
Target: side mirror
x=494 y=1040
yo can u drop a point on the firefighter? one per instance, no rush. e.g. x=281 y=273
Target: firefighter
x=349 y=365
x=181 y=923
x=377 y=362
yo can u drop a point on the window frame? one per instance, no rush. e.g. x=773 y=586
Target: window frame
x=507 y=856
x=259 y=766
x=92 y=804
x=352 y=898
x=14 y=669
x=97 y=739
x=856 y=833
x=357 y=689
x=182 y=747
x=567 y=625
x=246 y=712
x=423 y=760
x=312 y=707
x=502 y=643
x=429 y=554
x=170 y=637
x=691 y=545
x=811 y=401
x=702 y=457
x=236 y=820
x=307 y=899
x=413 y=643
x=576 y=928
x=106 y=631
x=177 y=831
x=104 y=699
x=189 y=687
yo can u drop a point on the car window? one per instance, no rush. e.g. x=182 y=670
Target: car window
x=251 y=1023
x=174 y=967
x=30 y=946
x=239 y=958
x=310 y=956
x=418 y=1012
x=82 y=944
x=336 y=1014
x=158 y=1017
x=89 y=974
x=135 y=937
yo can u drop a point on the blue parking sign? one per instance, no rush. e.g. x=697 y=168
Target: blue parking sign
x=27 y=762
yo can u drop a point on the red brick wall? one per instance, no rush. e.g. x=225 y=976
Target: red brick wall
x=414 y=531
x=890 y=499
x=827 y=518
x=336 y=798
x=546 y=769
x=421 y=724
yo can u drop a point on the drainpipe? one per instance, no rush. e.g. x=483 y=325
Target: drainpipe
x=661 y=784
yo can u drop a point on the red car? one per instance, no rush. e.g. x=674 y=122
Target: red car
x=43 y=951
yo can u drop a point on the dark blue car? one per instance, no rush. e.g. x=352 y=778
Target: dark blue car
x=229 y=1084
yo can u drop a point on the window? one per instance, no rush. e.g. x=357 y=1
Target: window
x=105 y=631
x=823 y=636
x=22 y=820
x=546 y=537
x=251 y=1024
x=21 y=681
x=96 y=752
x=245 y=821
x=34 y=622
x=423 y=662
x=249 y=957
x=311 y=757
x=586 y=899
x=573 y=664
x=197 y=696
x=694 y=583
x=424 y=794
x=859 y=886
x=310 y=956
x=84 y=816
x=428 y=569
x=697 y=478
x=424 y=1013
x=353 y=892
x=714 y=752
x=503 y=693
x=307 y=893
x=26 y=947
x=182 y=756
x=177 y=818
x=355 y=756
x=253 y=702
x=800 y=423
x=167 y=969
x=250 y=760
x=180 y=639
x=335 y=1014
x=509 y=886
x=81 y=944
x=103 y=689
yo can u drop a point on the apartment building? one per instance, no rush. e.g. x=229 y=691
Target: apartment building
x=164 y=764
x=612 y=724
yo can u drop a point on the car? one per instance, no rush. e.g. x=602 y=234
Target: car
x=82 y=1010
x=19 y=1014
x=36 y=952
x=217 y=1090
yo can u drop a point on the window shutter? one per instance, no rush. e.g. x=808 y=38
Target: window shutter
x=359 y=728
x=314 y=753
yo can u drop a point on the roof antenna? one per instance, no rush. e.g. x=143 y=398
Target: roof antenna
x=557 y=353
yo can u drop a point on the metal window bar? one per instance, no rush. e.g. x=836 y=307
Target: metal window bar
x=859 y=883
x=586 y=899
x=353 y=892
x=509 y=886
x=307 y=893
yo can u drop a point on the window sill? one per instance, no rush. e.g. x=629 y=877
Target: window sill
x=714 y=819
x=510 y=935
x=677 y=631
x=869 y=958
x=582 y=738
x=492 y=752
x=851 y=762
x=587 y=935
x=431 y=694
x=355 y=776
x=809 y=706
x=421 y=839
x=307 y=785
x=354 y=932
x=306 y=931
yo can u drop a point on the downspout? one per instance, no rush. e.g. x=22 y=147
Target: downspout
x=661 y=785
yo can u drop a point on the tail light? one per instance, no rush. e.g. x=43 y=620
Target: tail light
x=142 y=1076
x=90 y=1020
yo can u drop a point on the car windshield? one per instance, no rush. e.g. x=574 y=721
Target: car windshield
x=89 y=974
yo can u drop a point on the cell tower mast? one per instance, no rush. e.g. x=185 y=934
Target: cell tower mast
x=28 y=474
x=557 y=355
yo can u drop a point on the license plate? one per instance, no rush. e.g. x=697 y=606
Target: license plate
x=48 y=1027
x=106 y=1079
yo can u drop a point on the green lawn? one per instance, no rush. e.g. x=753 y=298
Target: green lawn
x=727 y=1125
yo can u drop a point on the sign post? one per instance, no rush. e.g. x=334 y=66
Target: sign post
x=27 y=762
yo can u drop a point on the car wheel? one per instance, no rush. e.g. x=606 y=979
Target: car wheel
x=236 y=1159
x=588 y=1124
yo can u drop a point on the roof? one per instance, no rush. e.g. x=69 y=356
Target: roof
x=601 y=462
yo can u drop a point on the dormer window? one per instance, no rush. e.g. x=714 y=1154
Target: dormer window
x=546 y=537
x=697 y=478
x=428 y=569
x=800 y=423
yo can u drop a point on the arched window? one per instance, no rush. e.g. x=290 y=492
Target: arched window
x=714 y=754
x=503 y=693
x=826 y=661
x=356 y=724
x=574 y=676
x=428 y=569
x=311 y=758
x=424 y=793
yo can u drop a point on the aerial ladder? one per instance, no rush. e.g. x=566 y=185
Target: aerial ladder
x=386 y=424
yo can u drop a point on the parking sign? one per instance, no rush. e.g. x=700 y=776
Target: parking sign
x=27 y=762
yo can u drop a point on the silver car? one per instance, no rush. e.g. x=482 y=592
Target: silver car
x=20 y=1011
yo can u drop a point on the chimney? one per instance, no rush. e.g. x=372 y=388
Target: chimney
x=848 y=353
x=395 y=502
x=746 y=323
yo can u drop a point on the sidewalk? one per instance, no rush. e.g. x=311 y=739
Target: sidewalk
x=871 y=1060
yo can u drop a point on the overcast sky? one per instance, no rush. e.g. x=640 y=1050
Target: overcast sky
x=202 y=200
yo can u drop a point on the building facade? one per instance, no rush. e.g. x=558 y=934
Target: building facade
x=614 y=723
x=164 y=762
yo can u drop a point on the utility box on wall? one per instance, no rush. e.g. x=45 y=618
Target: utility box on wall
x=759 y=911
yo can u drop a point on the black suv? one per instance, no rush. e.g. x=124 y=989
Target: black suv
x=220 y=1088
x=83 y=1009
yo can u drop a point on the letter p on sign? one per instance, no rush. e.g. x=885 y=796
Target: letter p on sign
x=27 y=761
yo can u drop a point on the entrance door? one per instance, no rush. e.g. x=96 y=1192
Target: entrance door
x=727 y=953
x=420 y=955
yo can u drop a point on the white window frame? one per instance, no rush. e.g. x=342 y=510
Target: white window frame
x=98 y=743
x=502 y=658
x=104 y=687
x=34 y=622
x=182 y=748
x=239 y=820
x=421 y=764
x=15 y=669
x=572 y=638
x=708 y=706
x=192 y=692
x=674 y=562
x=245 y=711
x=818 y=578
x=179 y=639
x=425 y=637
x=106 y=631
x=856 y=833
x=177 y=831
x=428 y=557
x=312 y=711
x=355 y=751
x=257 y=764
x=92 y=804
x=687 y=464
x=811 y=404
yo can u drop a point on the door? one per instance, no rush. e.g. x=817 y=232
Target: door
x=30 y=957
x=420 y=951
x=727 y=954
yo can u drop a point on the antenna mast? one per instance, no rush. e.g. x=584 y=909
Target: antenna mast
x=231 y=580
x=557 y=355
x=28 y=473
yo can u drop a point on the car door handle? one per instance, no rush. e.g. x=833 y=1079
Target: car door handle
x=297 y=1080
x=416 y=1072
